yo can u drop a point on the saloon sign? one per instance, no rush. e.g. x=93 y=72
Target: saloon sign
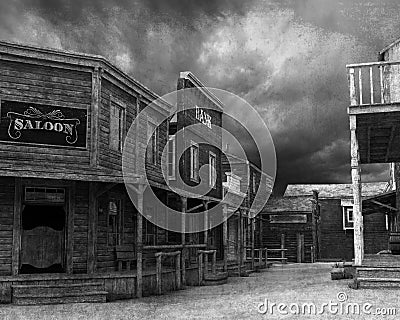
x=41 y=124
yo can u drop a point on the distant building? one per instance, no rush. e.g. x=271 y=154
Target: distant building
x=322 y=214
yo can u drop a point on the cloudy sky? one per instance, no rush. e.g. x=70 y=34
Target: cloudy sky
x=285 y=57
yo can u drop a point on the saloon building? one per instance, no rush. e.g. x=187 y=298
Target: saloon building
x=69 y=231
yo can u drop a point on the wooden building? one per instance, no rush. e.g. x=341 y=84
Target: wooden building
x=69 y=230
x=64 y=209
x=315 y=222
x=243 y=181
x=374 y=117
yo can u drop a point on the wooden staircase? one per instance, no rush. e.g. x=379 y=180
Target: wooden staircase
x=378 y=271
x=34 y=294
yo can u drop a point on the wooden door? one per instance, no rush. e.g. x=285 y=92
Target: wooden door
x=42 y=239
x=42 y=247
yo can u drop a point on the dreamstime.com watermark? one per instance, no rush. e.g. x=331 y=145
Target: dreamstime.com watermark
x=339 y=307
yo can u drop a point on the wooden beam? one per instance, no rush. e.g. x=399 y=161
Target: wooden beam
x=357 y=204
x=139 y=242
x=92 y=228
x=16 y=226
x=384 y=205
x=94 y=139
x=225 y=236
x=70 y=227
x=389 y=145
x=369 y=144
x=183 y=239
x=194 y=208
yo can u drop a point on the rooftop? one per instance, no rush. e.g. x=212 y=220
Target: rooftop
x=335 y=191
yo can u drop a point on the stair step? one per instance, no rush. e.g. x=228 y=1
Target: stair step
x=98 y=298
x=58 y=294
x=71 y=288
x=379 y=279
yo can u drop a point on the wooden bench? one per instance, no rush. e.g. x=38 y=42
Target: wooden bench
x=125 y=253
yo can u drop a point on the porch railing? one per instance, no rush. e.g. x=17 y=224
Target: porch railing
x=374 y=83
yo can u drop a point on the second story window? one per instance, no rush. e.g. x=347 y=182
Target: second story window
x=348 y=218
x=194 y=162
x=117 y=115
x=171 y=157
x=212 y=161
x=152 y=145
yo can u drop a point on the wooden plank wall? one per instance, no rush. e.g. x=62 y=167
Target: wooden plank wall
x=337 y=244
x=45 y=85
x=106 y=259
x=110 y=92
x=187 y=101
x=272 y=237
x=81 y=228
x=6 y=224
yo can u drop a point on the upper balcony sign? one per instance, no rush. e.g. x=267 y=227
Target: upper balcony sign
x=203 y=117
x=42 y=124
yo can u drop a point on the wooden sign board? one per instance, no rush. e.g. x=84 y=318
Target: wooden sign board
x=39 y=124
x=288 y=218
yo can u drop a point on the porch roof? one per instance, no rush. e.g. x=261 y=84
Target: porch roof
x=382 y=203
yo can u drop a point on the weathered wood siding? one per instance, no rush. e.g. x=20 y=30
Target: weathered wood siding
x=6 y=224
x=210 y=139
x=272 y=236
x=106 y=257
x=80 y=238
x=337 y=243
x=41 y=84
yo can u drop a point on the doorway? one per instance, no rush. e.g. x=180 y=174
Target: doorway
x=43 y=238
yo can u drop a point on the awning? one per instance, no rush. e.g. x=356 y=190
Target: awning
x=383 y=203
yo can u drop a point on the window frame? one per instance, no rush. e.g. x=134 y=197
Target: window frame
x=212 y=170
x=154 y=151
x=122 y=124
x=347 y=224
x=194 y=172
x=171 y=140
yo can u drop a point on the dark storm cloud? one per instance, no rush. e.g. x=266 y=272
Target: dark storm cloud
x=287 y=58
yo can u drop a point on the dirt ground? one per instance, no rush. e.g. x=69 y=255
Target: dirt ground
x=296 y=287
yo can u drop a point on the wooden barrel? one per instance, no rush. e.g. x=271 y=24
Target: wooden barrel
x=394 y=242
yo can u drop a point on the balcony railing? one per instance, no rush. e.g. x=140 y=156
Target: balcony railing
x=374 y=83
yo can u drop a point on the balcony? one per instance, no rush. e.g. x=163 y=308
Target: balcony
x=375 y=103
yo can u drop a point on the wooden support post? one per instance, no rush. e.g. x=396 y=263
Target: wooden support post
x=16 y=226
x=205 y=203
x=260 y=234
x=266 y=257
x=200 y=268
x=70 y=228
x=178 y=271
x=240 y=242
x=183 y=238
x=96 y=92
x=298 y=248
x=357 y=204
x=92 y=230
x=159 y=273
x=252 y=242
x=139 y=242
x=396 y=215
x=352 y=86
x=314 y=220
x=283 y=247
x=214 y=262
x=225 y=236
x=312 y=254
